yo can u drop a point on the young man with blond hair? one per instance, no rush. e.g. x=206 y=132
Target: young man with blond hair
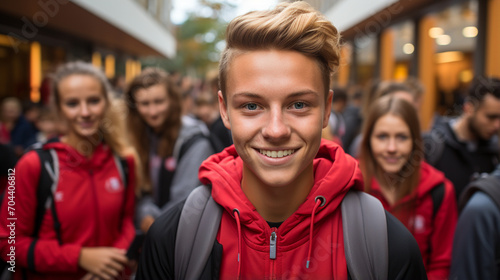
x=280 y=186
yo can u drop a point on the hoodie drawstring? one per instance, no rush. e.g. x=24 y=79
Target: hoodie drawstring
x=237 y=217
x=320 y=201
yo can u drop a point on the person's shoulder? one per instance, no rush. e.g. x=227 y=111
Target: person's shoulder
x=405 y=260
x=30 y=161
x=480 y=204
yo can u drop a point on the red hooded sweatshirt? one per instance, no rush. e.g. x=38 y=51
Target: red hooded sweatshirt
x=434 y=235
x=313 y=233
x=92 y=207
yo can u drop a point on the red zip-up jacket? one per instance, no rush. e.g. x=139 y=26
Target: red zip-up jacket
x=434 y=235
x=92 y=205
x=313 y=233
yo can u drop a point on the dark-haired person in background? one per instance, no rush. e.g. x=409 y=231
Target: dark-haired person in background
x=467 y=146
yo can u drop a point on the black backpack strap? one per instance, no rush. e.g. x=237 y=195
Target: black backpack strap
x=49 y=175
x=489 y=185
x=198 y=226
x=437 y=195
x=366 y=243
x=122 y=166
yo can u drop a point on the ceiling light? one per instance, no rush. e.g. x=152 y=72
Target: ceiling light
x=435 y=32
x=443 y=40
x=469 y=31
x=408 y=48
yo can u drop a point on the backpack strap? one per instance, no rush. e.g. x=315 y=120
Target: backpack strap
x=489 y=185
x=364 y=227
x=122 y=166
x=188 y=143
x=437 y=195
x=47 y=184
x=198 y=226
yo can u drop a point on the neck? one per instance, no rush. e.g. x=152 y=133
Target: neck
x=462 y=131
x=84 y=145
x=277 y=203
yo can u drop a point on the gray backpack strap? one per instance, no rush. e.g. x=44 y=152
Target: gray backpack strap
x=365 y=236
x=198 y=226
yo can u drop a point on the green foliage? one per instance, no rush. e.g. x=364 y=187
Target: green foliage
x=200 y=40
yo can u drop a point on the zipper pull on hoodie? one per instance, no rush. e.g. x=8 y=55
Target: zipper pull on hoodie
x=272 y=246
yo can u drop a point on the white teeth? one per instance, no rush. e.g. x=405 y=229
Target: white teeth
x=277 y=154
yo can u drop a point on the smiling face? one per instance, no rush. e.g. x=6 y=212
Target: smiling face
x=276 y=108
x=82 y=103
x=391 y=143
x=152 y=105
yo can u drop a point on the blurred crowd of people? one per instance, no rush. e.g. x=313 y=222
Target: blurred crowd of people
x=163 y=126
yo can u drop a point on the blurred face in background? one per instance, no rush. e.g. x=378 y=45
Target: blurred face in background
x=484 y=119
x=11 y=110
x=82 y=103
x=391 y=143
x=152 y=104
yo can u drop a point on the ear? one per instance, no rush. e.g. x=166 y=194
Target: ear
x=223 y=110
x=469 y=108
x=328 y=108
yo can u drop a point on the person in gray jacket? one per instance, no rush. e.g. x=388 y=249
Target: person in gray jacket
x=476 y=247
x=171 y=146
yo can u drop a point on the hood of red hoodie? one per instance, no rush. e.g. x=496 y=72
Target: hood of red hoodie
x=335 y=173
x=72 y=158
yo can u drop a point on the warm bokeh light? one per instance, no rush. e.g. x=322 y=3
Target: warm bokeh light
x=109 y=66
x=447 y=57
x=443 y=40
x=435 y=32
x=469 y=32
x=466 y=76
x=97 y=60
x=408 y=48
x=35 y=71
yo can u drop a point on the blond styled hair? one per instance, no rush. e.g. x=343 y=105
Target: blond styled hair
x=290 y=26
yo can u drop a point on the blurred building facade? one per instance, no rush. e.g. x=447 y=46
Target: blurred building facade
x=37 y=36
x=442 y=43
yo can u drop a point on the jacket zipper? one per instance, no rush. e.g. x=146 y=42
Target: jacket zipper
x=96 y=208
x=272 y=252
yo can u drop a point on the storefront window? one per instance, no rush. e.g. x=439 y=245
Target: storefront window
x=404 y=49
x=366 y=51
x=455 y=38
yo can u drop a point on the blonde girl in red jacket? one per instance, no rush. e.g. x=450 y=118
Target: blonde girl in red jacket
x=391 y=161
x=94 y=207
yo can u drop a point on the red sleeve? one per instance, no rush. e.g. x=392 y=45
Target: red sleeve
x=128 y=230
x=442 y=236
x=18 y=221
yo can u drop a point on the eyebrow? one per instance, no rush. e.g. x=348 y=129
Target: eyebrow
x=292 y=95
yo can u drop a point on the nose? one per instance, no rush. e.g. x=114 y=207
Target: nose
x=276 y=127
x=85 y=112
x=391 y=145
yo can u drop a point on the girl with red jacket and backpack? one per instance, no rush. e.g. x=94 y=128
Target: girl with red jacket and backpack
x=409 y=188
x=93 y=205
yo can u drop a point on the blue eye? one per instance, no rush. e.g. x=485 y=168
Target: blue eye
x=251 y=106
x=299 y=105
